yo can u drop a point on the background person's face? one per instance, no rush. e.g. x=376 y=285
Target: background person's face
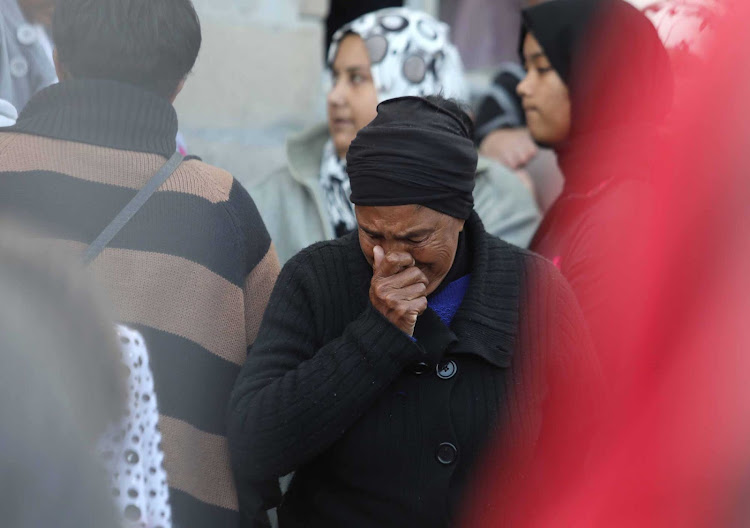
x=545 y=97
x=353 y=99
x=428 y=236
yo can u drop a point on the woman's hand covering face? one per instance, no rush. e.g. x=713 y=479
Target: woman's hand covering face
x=398 y=288
x=411 y=250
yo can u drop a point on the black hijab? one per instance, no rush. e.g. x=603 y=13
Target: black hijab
x=616 y=69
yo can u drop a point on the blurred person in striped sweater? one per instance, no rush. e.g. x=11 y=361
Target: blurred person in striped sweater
x=192 y=271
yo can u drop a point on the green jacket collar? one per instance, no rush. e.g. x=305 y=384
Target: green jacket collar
x=305 y=153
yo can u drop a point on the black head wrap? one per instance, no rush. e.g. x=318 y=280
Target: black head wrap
x=414 y=152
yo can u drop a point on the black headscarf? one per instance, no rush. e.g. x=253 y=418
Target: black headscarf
x=619 y=77
x=414 y=152
x=610 y=57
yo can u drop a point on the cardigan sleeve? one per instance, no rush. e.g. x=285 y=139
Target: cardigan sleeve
x=294 y=398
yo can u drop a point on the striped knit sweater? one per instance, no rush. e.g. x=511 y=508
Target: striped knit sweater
x=192 y=271
x=382 y=431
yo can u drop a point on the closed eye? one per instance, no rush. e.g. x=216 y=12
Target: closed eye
x=374 y=236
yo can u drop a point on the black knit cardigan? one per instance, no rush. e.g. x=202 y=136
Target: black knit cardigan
x=381 y=431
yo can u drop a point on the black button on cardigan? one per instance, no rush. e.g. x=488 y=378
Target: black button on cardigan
x=447 y=369
x=446 y=453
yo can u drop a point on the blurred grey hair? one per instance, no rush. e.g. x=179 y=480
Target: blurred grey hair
x=60 y=385
x=56 y=327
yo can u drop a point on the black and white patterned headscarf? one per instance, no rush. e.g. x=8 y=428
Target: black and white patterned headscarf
x=411 y=54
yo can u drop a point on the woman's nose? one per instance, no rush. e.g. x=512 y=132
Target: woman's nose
x=524 y=87
x=395 y=246
x=337 y=95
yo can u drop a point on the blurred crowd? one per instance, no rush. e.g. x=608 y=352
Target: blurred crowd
x=516 y=302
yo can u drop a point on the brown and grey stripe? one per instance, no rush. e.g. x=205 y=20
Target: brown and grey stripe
x=260 y=282
x=104 y=165
x=177 y=296
x=198 y=463
x=192 y=272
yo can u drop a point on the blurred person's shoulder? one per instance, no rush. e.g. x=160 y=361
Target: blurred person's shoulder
x=224 y=191
x=207 y=181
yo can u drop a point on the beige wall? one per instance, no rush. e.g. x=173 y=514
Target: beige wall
x=258 y=78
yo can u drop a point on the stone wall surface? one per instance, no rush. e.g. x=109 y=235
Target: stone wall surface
x=257 y=79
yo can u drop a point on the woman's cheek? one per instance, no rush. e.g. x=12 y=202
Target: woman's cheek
x=443 y=259
x=421 y=257
x=426 y=262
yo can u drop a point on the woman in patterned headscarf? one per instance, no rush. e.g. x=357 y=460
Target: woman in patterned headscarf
x=390 y=53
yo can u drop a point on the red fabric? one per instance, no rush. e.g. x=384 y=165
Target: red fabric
x=673 y=449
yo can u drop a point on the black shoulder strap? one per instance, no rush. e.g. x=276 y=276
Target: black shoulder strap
x=133 y=206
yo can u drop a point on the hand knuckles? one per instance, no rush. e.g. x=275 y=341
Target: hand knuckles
x=390 y=298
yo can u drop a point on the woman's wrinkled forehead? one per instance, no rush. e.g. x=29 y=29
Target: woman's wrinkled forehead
x=410 y=52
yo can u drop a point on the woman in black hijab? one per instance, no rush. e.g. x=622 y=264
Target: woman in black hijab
x=598 y=88
x=388 y=358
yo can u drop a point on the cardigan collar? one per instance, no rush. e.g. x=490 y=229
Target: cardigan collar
x=486 y=324
x=103 y=113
